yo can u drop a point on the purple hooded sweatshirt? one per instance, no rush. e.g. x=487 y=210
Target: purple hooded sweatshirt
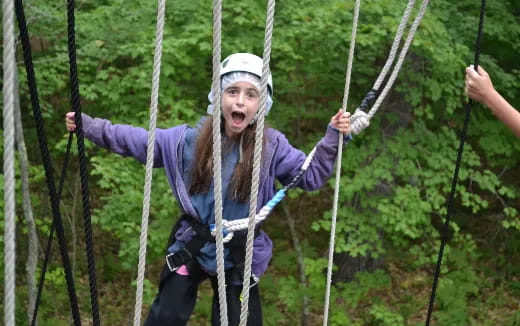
x=281 y=162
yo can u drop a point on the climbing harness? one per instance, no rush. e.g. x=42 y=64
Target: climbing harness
x=187 y=254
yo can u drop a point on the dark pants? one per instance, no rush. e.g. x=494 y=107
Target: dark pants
x=178 y=295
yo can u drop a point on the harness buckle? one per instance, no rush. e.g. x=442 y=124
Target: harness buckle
x=176 y=260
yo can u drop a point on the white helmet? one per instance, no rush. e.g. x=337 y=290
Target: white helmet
x=245 y=62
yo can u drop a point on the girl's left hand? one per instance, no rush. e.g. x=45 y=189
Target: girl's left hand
x=341 y=121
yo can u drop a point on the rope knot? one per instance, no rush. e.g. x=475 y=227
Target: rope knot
x=359 y=121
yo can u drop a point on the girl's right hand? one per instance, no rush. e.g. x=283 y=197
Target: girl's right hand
x=70 y=123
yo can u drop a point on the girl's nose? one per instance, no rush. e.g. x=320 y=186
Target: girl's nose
x=240 y=99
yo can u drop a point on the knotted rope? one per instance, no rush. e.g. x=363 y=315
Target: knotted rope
x=149 y=161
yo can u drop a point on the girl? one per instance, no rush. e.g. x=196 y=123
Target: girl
x=186 y=155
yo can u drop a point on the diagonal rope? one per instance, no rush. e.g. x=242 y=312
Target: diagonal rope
x=47 y=164
x=395 y=45
x=361 y=120
x=217 y=160
x=32 y=255
x=149 y=161
x=257 y=160
x=48 y=248
x=446 y=226
x=9 y=66
x=338 y=162
x=76 y=105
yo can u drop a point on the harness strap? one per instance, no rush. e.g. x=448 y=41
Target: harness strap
x=193 y=247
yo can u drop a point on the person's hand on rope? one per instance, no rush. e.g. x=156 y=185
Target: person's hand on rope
x=479 y=86
x=341 y=122
x=70 y=123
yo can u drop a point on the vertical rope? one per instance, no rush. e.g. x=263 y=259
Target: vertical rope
x=47 y=164
x=217 y=160
x=32 y=255
x=9 y=66
x=338 y=163
x=149 y=160
x=446 y=226
x=257 y=160
x=76 y=105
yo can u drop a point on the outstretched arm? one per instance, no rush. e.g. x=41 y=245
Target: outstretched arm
x=288 y=159
x=480 y=88
x=121 y=139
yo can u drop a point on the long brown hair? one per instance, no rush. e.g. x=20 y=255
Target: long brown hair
x=202 y=171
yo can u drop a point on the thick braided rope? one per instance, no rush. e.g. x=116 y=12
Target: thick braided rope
x=76 y=105
x=49 y=171
x=360 y=120
x=51 y=233
x=395 y=45
x=149 y=161
x=338 y=162
x=259 y=135
x=9 y=66
x=400 y=60
x=32 y=255
x=446 y=226
x=217 y=160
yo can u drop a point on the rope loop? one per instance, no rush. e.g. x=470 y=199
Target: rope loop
x=359 y=121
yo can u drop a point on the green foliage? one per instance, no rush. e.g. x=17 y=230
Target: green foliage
x=396 y=175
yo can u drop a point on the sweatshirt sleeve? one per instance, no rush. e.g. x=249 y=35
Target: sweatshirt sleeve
x=121 y=139
x=289 y=160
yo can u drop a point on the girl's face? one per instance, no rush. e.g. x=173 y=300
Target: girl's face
x=240 y=102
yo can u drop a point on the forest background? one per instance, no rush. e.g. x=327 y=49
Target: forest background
x=395 y=179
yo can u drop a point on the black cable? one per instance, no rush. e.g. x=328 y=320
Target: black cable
x=42 y=140
x=446 y=226
x=76 y=105
x=51 y=235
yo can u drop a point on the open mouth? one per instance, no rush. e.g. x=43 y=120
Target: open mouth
x=238 y=117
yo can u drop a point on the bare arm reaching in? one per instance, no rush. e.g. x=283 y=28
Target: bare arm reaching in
x=480 y=88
